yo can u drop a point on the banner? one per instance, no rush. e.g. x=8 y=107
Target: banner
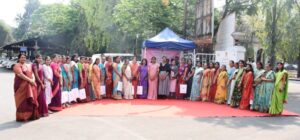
x=159 y=53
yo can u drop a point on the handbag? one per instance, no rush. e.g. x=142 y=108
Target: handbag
x=120 y=86
x=103 y=90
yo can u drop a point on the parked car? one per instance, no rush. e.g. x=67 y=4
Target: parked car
x=4 y=63
x=291 y=67
x=11 y=63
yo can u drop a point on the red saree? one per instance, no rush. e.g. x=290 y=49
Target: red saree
x=180 y=81
x=55 y=104
x=213 y=88
x=247 y=93
x=25 y=95
x=109 y=79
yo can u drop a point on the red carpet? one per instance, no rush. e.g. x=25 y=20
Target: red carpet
x=159 y=108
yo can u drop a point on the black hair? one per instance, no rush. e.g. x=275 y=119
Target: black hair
x=144 y=59
x=35 y=61
x=243 y=62
x=261 y=65
x=20 y=55
x=96 y=61
x=281 y=63
x=231 y=61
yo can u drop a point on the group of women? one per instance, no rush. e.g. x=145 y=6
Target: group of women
x=59 y=81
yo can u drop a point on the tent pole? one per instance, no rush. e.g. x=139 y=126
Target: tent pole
x=194 y=57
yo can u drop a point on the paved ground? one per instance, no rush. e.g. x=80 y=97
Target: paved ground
x=58 y=127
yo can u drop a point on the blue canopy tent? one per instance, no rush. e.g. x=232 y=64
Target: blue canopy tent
x=167 y=40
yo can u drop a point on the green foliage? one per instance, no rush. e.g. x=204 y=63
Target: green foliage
x=5 y=34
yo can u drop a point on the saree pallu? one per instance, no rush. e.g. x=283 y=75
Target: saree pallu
x=127 y=85
x=25 y=95
x=55 y=104
x=237 y=92
x=258 y=90
x=43 y=107
x=95 y=78
x=205 y=87
x=153 y=81
x=221 y=92
x=247 y=93
x=109 y=80
x=265 y=98
x=231 y=88
x=143 y=70
x=163 y=87
x=196 y=86
x=278 y=96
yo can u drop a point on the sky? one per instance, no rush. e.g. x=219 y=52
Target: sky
x=9 y=9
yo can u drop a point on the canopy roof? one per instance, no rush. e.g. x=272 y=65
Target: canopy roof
x=167 y=39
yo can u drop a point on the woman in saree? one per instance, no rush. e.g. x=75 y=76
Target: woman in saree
x=280 y=93
x=109 y=77
x=232 y=83
x=182 y=72
x=258 y=90
x=230 y=72
x=127 y=77
x=143 y=78
x=88 y=87
x=205 y=86
x=26 y=98
x=153 y=70
x=164 y=71
x=247 y=92
x=37 y=68
x=214 y=73
x=117 y=77
x=102 y=69
x=237 y=91
x=268 y=80
x=55 y=104
x=48 y=76
x=173 y=79
x=82 y=80
x=221 y=92
x=189 y=78
x=197 y=82
x=65 y=83
x=135 y=74
x=75 y=78
x=96 y=79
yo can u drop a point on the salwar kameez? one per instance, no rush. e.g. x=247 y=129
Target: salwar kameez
x=221 y=92
x=280 y=93
x=197 y=83
x=26 y=98
x=153 y=81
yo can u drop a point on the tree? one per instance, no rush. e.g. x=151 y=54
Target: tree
x=5 y=34
x=24 y=20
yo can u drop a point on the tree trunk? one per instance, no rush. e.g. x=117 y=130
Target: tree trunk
x=185 y=18
x=298 y=63
x=273 y=33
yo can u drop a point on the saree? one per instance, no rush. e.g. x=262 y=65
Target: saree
x=96 y=81
x=55 y=104
x=221 y=91
x=180 y=81
x=43 y=106
x=231 y=73
x=143 y=70
x=205 y=85
x=103 y=73
x=264 y=100
x=214 y=73
x=65 y=85
x=117 y=94
x=258 y=91
x=87 y=83
x=247 y=93
x=237 y=93
x=196 y=86
x=134 y=69
x=25 y=94
x=75 y=83
x=109 y=79
x=153 y=81
x=279 y=96
x=173 y=79
x=163 y=87
x=189 y=82
x=127 y=85
x=48 y=74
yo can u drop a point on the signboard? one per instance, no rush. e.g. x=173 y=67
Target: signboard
x=23 y=49
x=223 y=57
